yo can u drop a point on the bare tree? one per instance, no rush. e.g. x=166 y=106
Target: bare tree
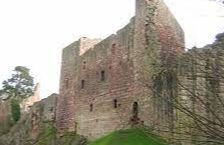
x=192 y=92
x=219 y=1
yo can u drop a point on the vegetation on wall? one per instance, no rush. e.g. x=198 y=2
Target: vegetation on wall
x=6 y=121
x=47 y=135
x=17 y=88
x=15 y=110
x=192 y=91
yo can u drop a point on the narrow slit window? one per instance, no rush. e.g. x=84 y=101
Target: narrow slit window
x=115 y=103
x=113 y=48
x=103 y=75
x=83 y=84
x=135 y=109
x=84 y=64
x=91 y=107
x=66 y=82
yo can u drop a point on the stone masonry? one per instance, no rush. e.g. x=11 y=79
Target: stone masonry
x=27 y=103
x=200 y=88
x=100 y=84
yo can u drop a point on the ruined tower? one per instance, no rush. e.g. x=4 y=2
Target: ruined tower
x=101 y=86
x=27 y=103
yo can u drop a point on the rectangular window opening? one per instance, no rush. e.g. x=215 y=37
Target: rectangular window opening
x=103 y=75
x=91 y=108
x=115 y=103
x=83 y=84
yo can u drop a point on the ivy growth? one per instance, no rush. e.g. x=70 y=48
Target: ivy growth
x=15 y=110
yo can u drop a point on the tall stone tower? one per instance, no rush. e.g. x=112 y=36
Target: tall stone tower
x=101 y=87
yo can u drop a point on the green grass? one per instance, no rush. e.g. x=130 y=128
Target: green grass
x=129 y=137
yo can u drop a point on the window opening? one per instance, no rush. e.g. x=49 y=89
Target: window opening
x=66 y=83
x=135 y=110
x=84 y=64
x=103 y=75
x=83 y=84
x=115 y=103
x=113 y=45
x=91 y=107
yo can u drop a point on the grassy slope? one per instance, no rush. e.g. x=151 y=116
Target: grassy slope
x=129 y=137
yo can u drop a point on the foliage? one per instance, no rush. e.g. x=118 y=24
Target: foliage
x=71 y=138
x=1 y=92
x=20 y=85
x=194 y=93
x=6 y=121
x=47 y=136
x=15 y=110
x=219 y=1
x=129 y=137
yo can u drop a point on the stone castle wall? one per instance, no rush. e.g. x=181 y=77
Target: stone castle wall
x=6 y=121
x=5 y=117
x=34 y=127
x=101 y=80
x=201 y=87
x=28 y=102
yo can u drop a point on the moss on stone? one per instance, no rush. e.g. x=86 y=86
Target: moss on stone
x=71 y=139
x=47 y=136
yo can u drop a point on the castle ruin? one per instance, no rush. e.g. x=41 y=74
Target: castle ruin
x=140 y=76
x=101 y=80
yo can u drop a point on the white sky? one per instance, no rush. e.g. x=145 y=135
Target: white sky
x=34 y=32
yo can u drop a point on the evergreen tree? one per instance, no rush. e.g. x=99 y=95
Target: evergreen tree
x=20 y=85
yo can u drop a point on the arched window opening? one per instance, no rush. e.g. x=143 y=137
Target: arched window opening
x=102 y=75
x=135 y=110
x=115 y=103
x=83 y=84
x=91 y=107
x=114 y=45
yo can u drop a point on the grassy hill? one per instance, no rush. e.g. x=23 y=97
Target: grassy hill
x=129 y=137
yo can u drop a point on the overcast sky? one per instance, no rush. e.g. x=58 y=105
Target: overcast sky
x=34 y=32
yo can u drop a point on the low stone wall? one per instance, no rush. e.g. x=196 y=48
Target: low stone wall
x=35 y=126
x=5 y=117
